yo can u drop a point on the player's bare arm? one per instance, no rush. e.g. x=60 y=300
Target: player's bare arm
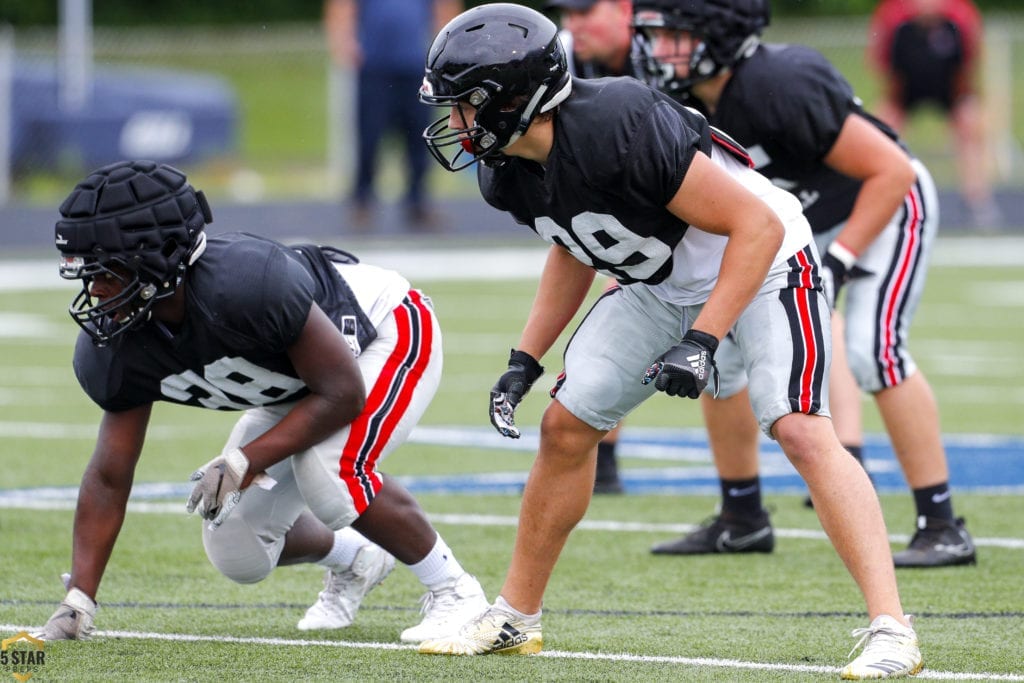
x=710 y=199
x=862 y=151
x=103 y=495
x=325 y=363
x=563 y=286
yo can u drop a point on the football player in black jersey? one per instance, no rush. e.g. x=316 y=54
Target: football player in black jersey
x=598 y=39
x=332 y=361
x=874 y=212
x=624 y=181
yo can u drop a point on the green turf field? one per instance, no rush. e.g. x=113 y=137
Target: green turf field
x=613 y=611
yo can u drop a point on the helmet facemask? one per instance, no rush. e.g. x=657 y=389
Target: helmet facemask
x=659 y=72
x=104 y=320
x=457 y=148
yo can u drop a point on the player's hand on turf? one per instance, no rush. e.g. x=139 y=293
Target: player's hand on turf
x=72 y=620
x=686 y=368
x=218 y=486
x=839 y=266
x=523 y=371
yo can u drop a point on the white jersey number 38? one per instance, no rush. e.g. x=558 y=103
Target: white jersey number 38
x=610 y=242
x=230 y=384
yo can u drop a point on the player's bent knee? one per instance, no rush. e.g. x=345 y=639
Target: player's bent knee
x=805 y=439
x=564 y=432
x=238 y=554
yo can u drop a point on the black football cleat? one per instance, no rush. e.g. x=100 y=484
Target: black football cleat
x=938 y=543
x=724 y=534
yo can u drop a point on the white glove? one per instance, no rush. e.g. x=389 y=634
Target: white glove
x=72 y=620
x=218 y=483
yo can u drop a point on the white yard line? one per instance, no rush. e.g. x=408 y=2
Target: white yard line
x=704 y=662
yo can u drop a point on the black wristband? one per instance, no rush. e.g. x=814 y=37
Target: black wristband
x=702 y=338
x=527 y=362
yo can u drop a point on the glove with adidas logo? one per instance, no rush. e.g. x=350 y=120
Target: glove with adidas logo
x=72 y=620
x=686 y=368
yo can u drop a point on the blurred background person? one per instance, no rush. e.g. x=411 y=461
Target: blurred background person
x=597 y=35
x=598 y=40
x=383 y=42
x=928 y=53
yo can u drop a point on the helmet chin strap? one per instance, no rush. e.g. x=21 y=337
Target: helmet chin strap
x=198 y=249
x=528 y=111
x=748 y=46
x=527 y=115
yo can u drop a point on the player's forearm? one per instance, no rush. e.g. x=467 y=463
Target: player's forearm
x=879 y=199
x=309 y=422
x=745 y=263
x=98 y=518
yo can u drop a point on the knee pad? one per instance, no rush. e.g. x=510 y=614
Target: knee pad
x=237 y=553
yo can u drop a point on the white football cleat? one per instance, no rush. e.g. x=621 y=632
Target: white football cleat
x=345 y=589
x=446 y=609
x=495 y=631
x=890 y=651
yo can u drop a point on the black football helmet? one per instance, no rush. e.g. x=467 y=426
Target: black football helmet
x=729 y=31
x=504 y=60
x=138 y=221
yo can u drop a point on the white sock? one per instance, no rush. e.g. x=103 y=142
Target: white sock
x=347 y=543
x=439 y=567
x=530 y=619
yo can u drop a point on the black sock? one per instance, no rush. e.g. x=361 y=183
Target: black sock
x=741 y=497
x=858 y=454
x=607 y=467
x=934 y=501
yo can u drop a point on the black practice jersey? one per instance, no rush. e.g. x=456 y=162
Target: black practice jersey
x=246 y=301
x=619 y=155
x=786 y=104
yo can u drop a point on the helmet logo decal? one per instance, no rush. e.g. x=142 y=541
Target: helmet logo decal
x=71 y=266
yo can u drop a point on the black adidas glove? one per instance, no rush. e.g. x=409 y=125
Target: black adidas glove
x=686 y=368
x=839 y=266
x=523 y=371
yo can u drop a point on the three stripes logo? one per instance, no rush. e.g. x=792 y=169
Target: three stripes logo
x=699 y=363
x=509 y=636
x=888 y=666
